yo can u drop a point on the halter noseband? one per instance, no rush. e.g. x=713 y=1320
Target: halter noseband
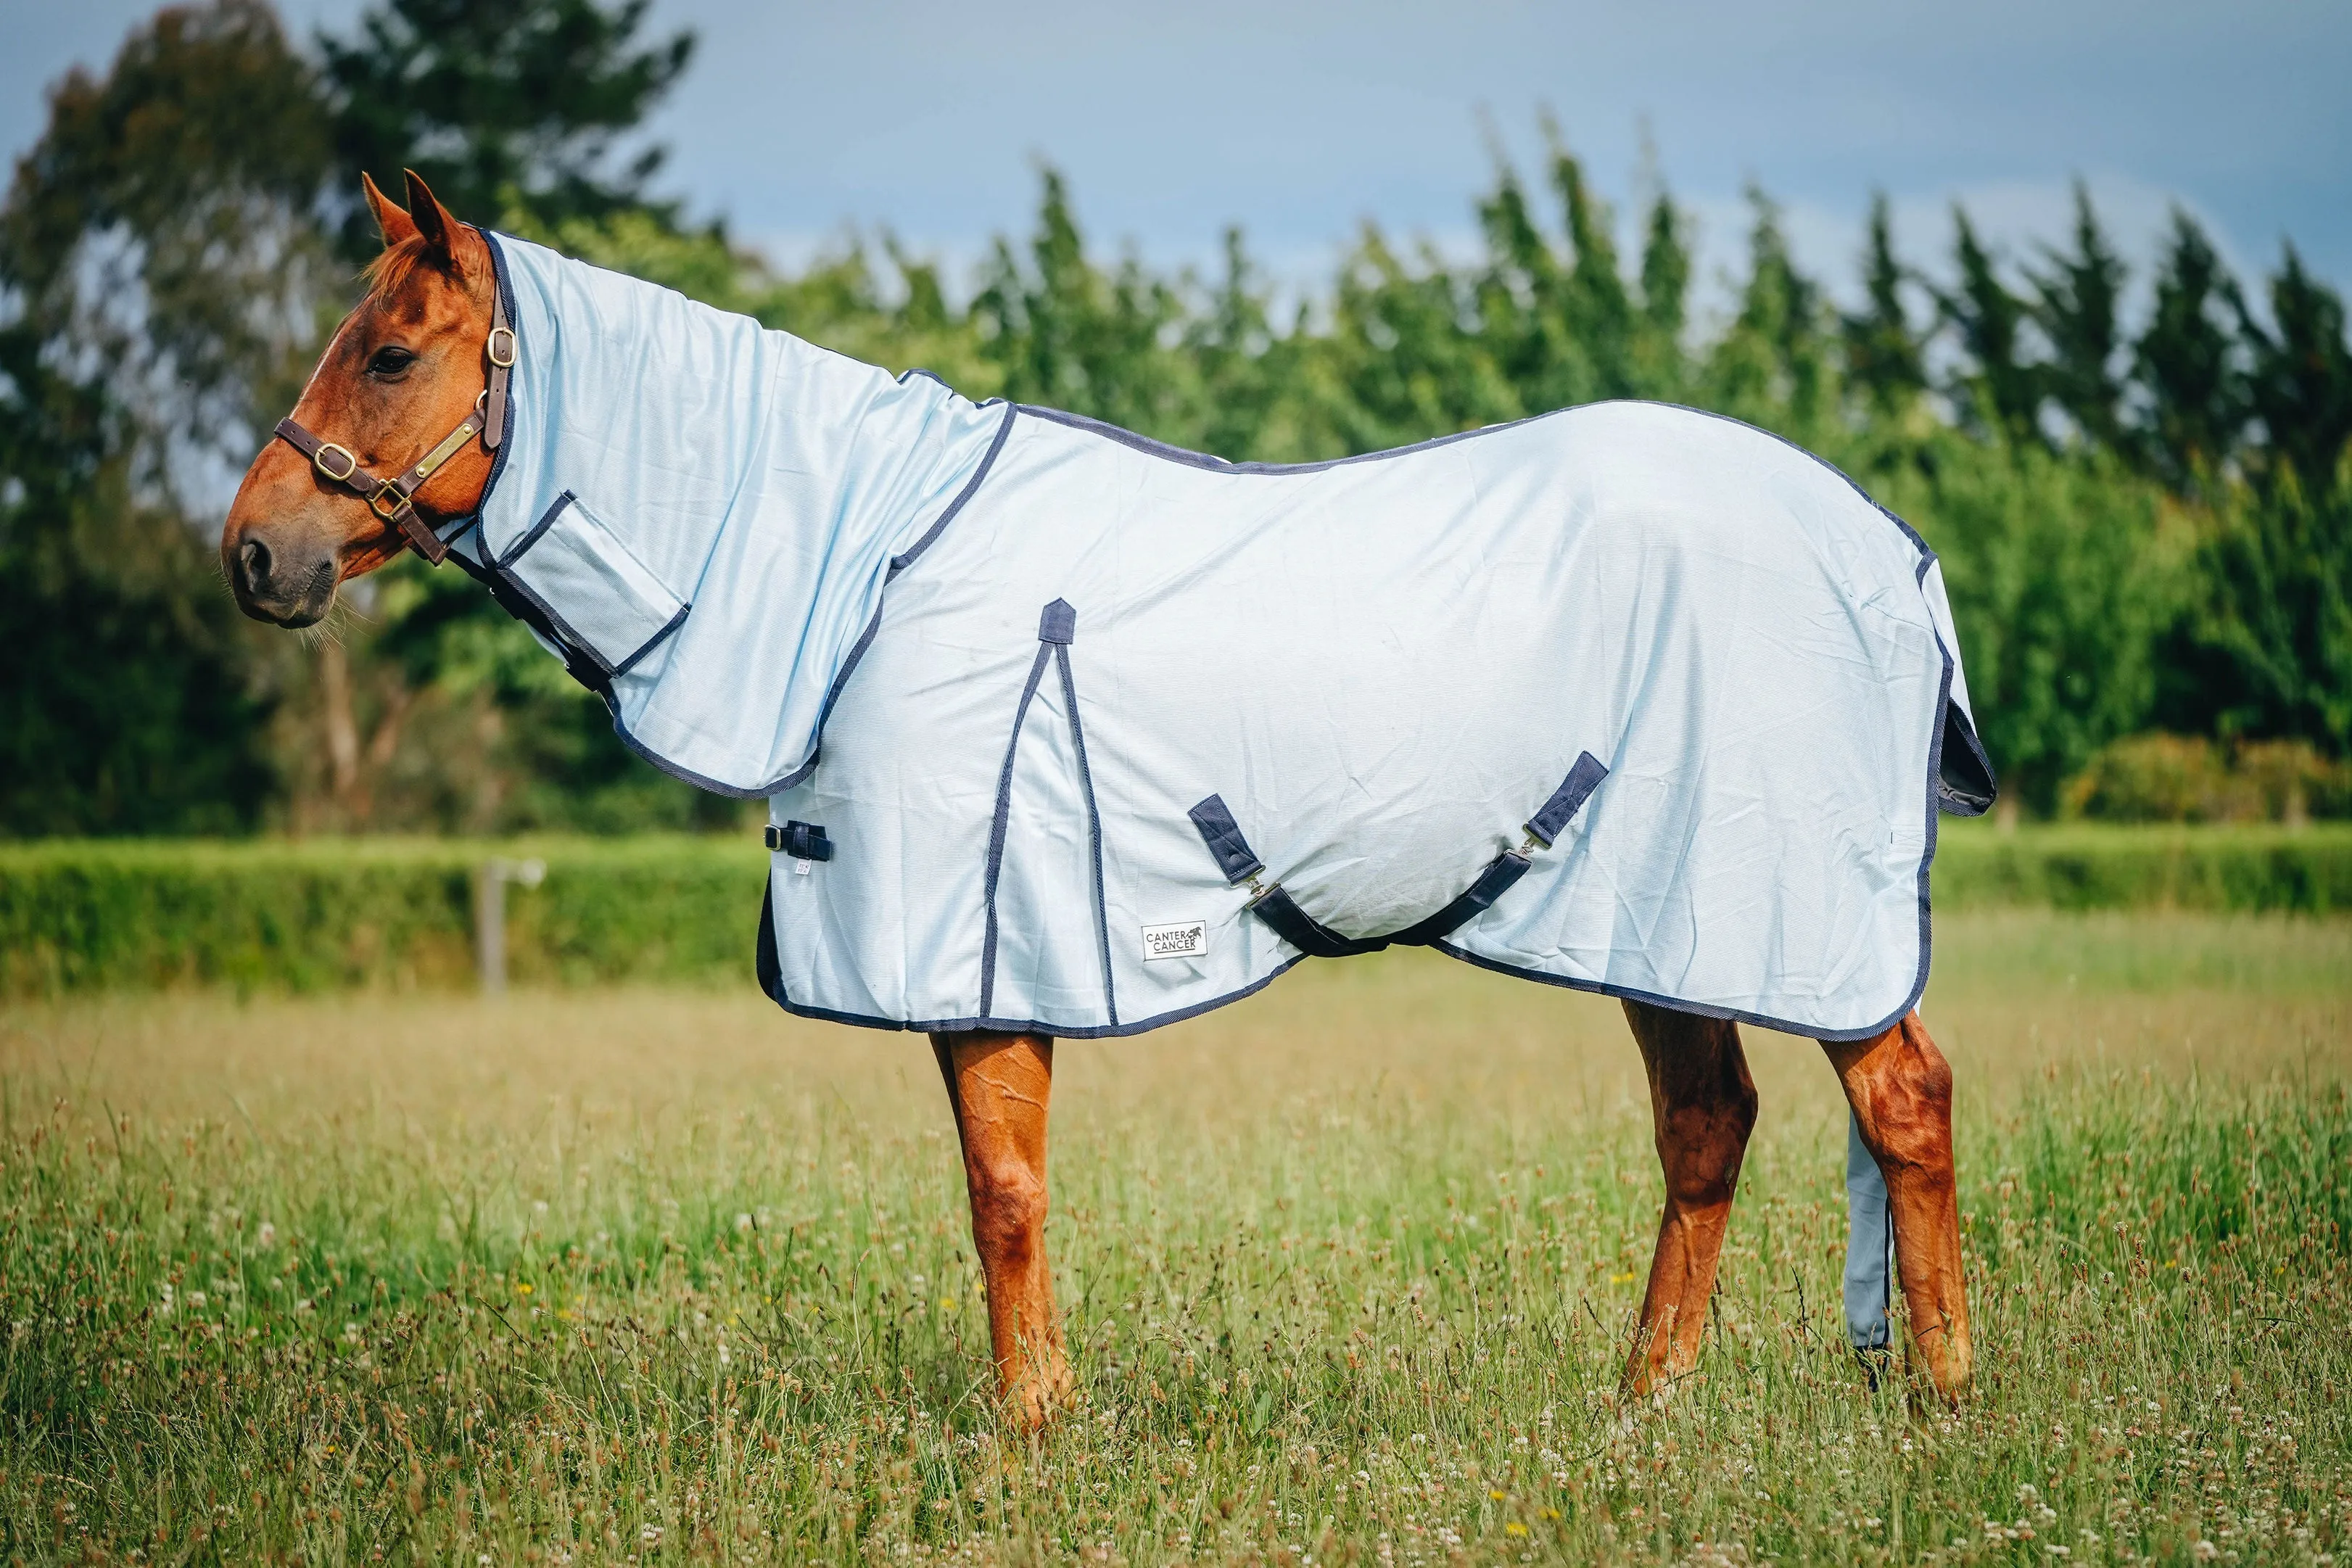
x=393 y=500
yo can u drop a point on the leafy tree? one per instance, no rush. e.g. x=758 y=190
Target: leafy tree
x=152 y=252
x=158 y=234
x=2186 y=361
x=2300 y=382
x=1662 y=366
x=1564 y=326
x=1886 y=358
x=1996 y=390
x=127 y=704
x=1247 y=371
x=1065 y=332
x=497 y=103
x=1404 y=358
x=1773 y=366
x=2266 y=649
x=2074 y=304
x=2060 y=578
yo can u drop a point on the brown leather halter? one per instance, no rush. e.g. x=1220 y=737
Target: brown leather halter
x=393 y=500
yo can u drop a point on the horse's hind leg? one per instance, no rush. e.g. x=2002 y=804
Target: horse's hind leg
x=1901 y=1090
x=999 y=1086
x=1701 y=1107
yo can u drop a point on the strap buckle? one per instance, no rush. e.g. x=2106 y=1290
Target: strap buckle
x=801 y=840
x=400 y=502
x=490 y=347
x=352 y=462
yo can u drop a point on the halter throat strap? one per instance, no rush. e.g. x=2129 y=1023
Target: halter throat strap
x=393 y=500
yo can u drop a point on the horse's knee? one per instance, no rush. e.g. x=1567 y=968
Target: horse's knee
x=1701 y=1148
x=1008 y=1209
x=1907 y=1093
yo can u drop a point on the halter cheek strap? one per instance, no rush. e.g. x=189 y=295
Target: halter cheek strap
x=393 y=500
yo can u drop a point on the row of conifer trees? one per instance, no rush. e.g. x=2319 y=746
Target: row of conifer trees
x=2145 y=516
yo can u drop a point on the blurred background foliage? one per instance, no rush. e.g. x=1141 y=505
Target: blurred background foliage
x=2145 y=518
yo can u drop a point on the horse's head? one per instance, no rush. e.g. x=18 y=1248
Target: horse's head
x=398 y=379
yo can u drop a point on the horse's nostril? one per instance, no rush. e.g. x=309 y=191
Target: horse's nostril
x=253 y=564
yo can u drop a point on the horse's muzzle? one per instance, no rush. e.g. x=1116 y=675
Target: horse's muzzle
x=288 y=587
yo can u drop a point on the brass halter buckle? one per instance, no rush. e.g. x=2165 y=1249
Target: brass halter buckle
x=490 y=347
x=399 y=502
x=351 y=462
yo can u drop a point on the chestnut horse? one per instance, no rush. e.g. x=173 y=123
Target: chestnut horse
x=385 y=448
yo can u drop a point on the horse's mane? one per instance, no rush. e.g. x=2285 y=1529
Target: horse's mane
x=385 y=276
x=390 y=270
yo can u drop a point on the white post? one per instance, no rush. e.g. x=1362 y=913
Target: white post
x=491 y=916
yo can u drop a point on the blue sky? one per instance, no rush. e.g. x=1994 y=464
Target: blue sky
x=1299 y=119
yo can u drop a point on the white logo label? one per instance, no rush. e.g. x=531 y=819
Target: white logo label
x=1185 y=939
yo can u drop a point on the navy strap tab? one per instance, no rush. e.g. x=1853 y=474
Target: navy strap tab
x=1302 y=930
x=1311 y=936
x=1224 y=836
x=1493 y=882
x=1058 y=624
x=801 y=840
x=1582 y=781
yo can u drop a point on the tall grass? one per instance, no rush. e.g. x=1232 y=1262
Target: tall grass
x=1350 y=1273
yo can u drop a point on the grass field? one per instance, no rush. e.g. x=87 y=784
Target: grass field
x=661 y=1276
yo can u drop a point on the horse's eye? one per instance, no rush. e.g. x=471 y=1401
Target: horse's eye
x=390 y=361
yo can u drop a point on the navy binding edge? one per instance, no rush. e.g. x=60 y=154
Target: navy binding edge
x=997 y=827
x=1066 y=624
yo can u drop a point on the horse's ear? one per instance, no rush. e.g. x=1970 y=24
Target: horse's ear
x=433 y=220
x=391 y=222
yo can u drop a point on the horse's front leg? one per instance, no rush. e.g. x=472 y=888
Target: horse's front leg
x=1702 y=1109
x=999 y=1086
x=1901 y=1090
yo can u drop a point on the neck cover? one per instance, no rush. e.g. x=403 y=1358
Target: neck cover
x=697 y=513
x=1629 y=697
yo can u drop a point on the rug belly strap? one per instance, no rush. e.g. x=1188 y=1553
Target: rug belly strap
x=1283 y=915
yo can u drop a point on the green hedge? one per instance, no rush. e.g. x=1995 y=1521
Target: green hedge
x=319 y=913
x=2300 y=871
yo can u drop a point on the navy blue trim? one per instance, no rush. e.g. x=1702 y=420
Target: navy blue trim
x=774 y=987
x=652 y=642
x=562 y=631
x=988 y=460
x=1224 y=836
x=1146 y=445
x=865 y=639
x=556 y=625
x=996 y=828
x=1058 y=623
x=580 y=661
x=913 y=371
x=1094 y=817
x=531 y=536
